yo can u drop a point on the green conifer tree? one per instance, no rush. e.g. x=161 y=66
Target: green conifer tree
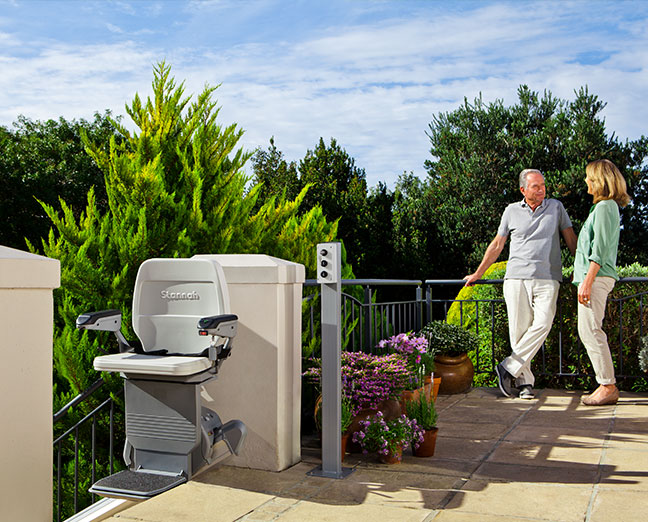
x=175 y=188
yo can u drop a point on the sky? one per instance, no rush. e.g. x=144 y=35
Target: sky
x=371 y=74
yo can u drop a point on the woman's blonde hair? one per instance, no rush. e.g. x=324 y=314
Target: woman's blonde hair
x=607 y=182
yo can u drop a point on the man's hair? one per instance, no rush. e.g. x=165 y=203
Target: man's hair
x=607 y=182
x=524 y=174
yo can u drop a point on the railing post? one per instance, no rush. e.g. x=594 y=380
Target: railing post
x=368 y=317
x=428 y=303
x=418 y=319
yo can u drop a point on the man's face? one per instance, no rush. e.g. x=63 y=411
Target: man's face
x=535 y=191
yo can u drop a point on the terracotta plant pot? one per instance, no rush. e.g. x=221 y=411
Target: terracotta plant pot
x=435 y=387
x=395 y=457
x=426 y=448
x=345 y=439
x=456 y=373
x=409 y=395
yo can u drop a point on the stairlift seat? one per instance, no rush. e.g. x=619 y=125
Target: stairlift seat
x=171 y=365
x=171 y=296
x=181 y=317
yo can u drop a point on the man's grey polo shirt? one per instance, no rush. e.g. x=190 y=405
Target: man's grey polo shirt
x=534 y=252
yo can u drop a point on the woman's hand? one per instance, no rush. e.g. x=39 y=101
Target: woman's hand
x=585 y=288
x=585 y=293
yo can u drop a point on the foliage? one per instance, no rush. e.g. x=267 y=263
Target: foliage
x=46 y=160
x=422 y=410
x=415 y=245
x=385 y=437
x=346 y=414
x=448 y=339
x=479 y=149
x=274 y=174
x=414 y=349
x=174 y=189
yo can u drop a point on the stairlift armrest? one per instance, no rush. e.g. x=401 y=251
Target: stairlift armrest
x=105 y=321
x=218 y=325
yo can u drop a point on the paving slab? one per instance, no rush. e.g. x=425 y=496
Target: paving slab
x=534 y=500
x=625 y=468
x=611 y=505
x=402 y=489
x=497 y=459
x=535 y=454
x=309 y=510
x=196 y=502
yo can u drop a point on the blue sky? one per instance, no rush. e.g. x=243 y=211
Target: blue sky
x=371 y=74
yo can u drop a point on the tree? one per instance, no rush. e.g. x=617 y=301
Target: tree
x=276 y=176
x=46 y=161
x=341 y=189
x=479 y=149
x=174 y=188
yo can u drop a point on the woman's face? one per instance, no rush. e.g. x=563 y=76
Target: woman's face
x=589 y=185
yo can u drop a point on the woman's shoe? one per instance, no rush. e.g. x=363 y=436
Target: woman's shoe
x=589 y=400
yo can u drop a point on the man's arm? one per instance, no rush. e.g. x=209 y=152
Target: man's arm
x=490 y=256
x=570 y=238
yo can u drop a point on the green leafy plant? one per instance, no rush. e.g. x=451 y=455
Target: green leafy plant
x=643 y=354
x=422 y=410
x=448 y=339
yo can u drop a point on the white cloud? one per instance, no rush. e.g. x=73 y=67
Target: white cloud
x=374 y=87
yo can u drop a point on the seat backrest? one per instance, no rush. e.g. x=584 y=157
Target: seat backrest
x=170 y=296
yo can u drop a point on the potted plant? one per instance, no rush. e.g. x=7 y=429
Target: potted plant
x=451 y=343
x=419 y=362
x=388 y=438
x=424 y=413
x=346 y=418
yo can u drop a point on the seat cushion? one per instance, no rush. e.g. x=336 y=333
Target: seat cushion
x=151 y=364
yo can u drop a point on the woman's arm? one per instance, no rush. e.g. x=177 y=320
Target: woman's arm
x=585 y=288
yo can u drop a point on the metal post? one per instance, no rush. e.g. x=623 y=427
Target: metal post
x=329 y=268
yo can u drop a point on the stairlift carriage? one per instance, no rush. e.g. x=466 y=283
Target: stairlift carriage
x=181 y=317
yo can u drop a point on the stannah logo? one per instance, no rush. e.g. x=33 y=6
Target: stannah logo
x=179 y=296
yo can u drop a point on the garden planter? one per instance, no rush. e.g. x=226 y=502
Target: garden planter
x=435 y=387
x=432 y=383
x=345 y=439
x=456 y=373
x=426 y=448
x=409 y=395
x=395 y=457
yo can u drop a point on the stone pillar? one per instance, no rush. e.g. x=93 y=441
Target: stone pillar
x=26 y=322
x=260 y=383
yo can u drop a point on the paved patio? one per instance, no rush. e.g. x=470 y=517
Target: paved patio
x=497 y=459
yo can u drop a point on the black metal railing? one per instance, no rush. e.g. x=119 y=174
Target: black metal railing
x=365 y=320
x=67 y=451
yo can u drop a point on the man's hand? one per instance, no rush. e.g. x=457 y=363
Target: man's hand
x=470 y=279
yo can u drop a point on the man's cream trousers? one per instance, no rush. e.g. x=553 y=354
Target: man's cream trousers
x=531 y=306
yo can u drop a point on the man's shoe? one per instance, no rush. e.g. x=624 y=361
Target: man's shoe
x=504 y=380
x=526 y=392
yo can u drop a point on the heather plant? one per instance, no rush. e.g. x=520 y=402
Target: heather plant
x=368 y=380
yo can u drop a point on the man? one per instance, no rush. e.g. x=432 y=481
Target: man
x=533 y=275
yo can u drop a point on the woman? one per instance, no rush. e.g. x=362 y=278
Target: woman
x=595 y=272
